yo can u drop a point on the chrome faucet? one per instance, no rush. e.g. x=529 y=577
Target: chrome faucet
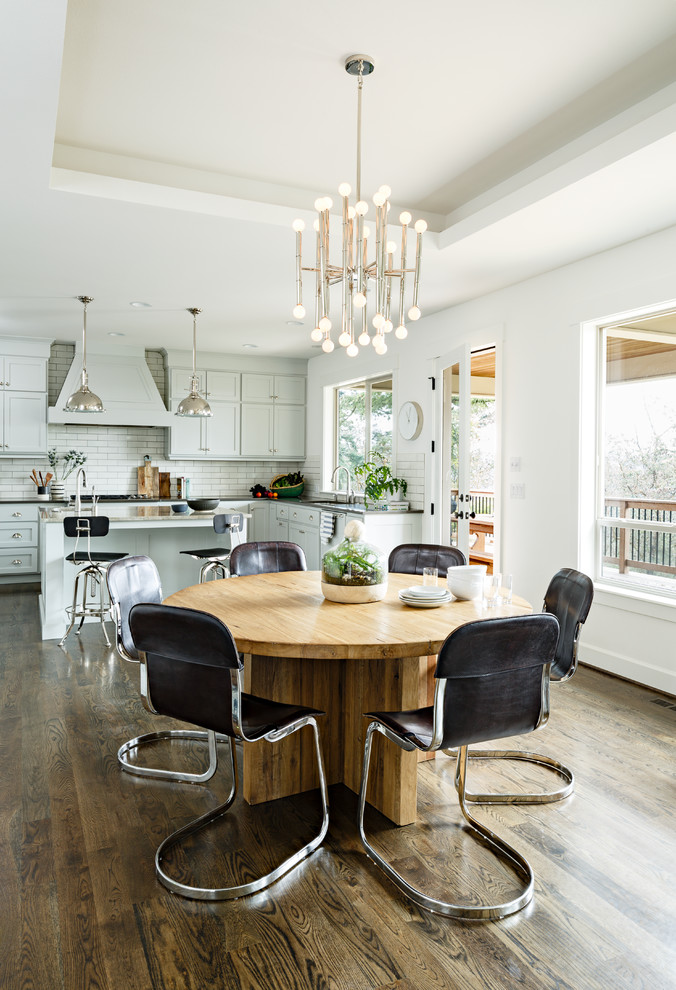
x=349 y=494
x=78 y=499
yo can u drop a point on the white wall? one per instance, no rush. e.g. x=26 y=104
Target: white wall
x=540 y=323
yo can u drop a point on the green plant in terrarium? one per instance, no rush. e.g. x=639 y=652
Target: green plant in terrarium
x=354 y=562
x=379 y=480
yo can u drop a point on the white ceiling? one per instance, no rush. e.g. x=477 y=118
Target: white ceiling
x=157 y=151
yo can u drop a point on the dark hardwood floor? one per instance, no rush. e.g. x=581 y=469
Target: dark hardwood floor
x=81 y=908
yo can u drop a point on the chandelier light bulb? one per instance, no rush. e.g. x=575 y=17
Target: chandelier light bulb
x=328 y=203
x=344 y=339
x=299 y=312
x=351 y=213
x=316 y=335
x=401 y=332
x=319 y=204
x=366 y=232
x=316 y=225
x=420 y=226
x=352 y=350
x=364 y=339
x=380 y=346
x=327 y=346
x=378 y=321
x=298 y=225
x=344 y=189
x=405 y=218
x=391 y=247
x=414 y=313
x=325 y=324
x=359 y=300
x=385 y=191
x=362 y=208
x=378 y=199
x=388 y=326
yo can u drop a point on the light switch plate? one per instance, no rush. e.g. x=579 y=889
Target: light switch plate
x=517 y=491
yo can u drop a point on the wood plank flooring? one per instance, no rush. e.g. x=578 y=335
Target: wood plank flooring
x=80 y=906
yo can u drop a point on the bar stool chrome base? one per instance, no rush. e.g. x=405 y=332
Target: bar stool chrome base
x=88 y=608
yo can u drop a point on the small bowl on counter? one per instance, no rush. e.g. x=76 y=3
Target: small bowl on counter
x=203 y=504
x=179 y=507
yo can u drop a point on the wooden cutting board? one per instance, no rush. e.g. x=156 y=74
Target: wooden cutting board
x=165 y=484
x=149 y=480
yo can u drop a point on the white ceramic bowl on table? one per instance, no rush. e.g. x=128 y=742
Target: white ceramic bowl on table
x=466 y=581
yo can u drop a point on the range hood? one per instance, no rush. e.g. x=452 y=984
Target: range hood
x=123 y=381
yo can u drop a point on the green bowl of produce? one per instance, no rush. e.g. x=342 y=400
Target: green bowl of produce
x=288 y=485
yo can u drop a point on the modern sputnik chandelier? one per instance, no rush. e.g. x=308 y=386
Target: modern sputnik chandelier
x=355 y=270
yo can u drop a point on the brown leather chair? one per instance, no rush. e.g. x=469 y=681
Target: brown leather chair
x=93 y=575
x=480 y=664
x=568 y=597
x=192 y=672
x=216 y=559
x=131 y=581
x=266 y=557
x=410 y=558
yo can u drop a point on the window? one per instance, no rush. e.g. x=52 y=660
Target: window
x=637 y=467
x=363 y=422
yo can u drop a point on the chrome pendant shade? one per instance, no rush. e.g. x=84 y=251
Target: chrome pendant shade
x=194 y=404
x=84 y=400
x=355 y=270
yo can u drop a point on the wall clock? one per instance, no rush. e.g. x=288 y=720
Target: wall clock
x=410 y=420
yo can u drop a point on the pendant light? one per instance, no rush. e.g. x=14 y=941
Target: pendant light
x=194 y=404
x=84 y=400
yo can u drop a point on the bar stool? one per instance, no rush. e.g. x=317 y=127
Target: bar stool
x=217 y=559
x=92 y=575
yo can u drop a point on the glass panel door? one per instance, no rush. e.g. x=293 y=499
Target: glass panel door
x=455 y=469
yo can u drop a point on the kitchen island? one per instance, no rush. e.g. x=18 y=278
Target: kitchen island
x=154 y=530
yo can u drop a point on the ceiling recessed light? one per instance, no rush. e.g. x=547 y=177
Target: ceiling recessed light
x=249 y=347
x=115 y=333
x=295 y=323
x=140 y=305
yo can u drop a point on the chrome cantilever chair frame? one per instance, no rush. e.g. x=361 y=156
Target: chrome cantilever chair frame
x=409 y=742
x=126 y=649
x=306 y=717
x=566 y=671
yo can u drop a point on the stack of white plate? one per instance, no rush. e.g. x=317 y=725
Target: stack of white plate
x=424 y=596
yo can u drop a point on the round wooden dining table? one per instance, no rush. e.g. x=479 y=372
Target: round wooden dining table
x=343 y=659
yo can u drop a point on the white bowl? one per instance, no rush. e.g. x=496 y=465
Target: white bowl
x=466 y=581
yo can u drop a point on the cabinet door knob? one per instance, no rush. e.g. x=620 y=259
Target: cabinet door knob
x=19 y=562
x=17 y=536
x=17 y=515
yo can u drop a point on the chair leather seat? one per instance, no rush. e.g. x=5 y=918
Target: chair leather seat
x=415 y=725
x=214 y=553
x=96 y=557
x=259 y=715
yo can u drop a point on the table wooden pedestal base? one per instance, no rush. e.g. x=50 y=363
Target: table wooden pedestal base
x=344 y=689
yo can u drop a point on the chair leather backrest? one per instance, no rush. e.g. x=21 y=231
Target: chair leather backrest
x=86 y=525
x=224 y=521
x=495 y=683
x=568 y=597
x=189 y=656
x=130 y=581
x=266 y=557
x=410 y=558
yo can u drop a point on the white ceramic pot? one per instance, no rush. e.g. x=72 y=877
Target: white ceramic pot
x=355 y=594
x=466 y=581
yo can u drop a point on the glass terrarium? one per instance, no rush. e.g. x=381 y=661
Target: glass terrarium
x=355 y=571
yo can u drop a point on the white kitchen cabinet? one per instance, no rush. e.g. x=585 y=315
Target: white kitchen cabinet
x=273 y=430
x=285 y=389
x=205 y=437
x=18 y=541
x=23 y=406
x=259 y=524
x=304 y=530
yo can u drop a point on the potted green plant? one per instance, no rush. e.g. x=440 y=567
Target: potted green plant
x=378 y=480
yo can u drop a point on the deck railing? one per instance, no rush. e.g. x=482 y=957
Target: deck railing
x=644 y=549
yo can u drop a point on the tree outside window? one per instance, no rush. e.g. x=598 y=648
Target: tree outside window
x=363 y=422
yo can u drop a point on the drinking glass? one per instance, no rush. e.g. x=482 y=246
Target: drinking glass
x=493 y=596
x=430 y=575
x=507 y=589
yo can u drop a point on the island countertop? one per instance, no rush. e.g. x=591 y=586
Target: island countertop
x=130 y=514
